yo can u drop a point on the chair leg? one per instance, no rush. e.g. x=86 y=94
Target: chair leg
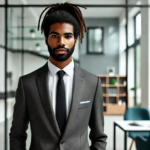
x=133 y=141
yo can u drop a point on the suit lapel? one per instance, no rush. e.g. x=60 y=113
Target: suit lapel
x=78 y=86
x=42 y=82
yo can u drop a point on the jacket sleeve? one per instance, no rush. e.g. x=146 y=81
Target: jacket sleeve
x=96 y=123
x=20 y=121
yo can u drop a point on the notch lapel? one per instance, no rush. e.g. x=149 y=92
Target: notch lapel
x=42 y=82
x=78 y=86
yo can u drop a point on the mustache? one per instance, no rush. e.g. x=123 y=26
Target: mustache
x=62 y=47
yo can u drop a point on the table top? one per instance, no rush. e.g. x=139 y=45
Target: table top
x=133 y=125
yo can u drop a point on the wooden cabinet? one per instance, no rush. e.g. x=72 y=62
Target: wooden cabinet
x=114 y=94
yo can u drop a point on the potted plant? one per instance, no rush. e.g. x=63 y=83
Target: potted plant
x=38 y=48
x=32 y=32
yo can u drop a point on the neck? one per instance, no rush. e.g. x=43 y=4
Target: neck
x=60 y=64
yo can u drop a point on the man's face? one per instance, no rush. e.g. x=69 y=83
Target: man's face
x=61 y=41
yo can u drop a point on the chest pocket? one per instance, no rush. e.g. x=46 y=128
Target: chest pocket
x=84 y=104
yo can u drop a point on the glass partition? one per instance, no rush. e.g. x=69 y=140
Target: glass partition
x=13 y=61
x=17 y=2
x=138 y=74
x=34 y=41
x=131 y=77
x=138 y=2
x=2 y=78
x=14 y=34
x=2 y=1
x=138 y=26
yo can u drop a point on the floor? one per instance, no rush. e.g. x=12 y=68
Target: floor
x=108 y=130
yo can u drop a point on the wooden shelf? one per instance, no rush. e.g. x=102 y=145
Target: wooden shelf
x=118 y=91
x=105 y=95
x=118 y=95
x=122 y=95
x=114 y=109
x=111 y=85
x=113 y=95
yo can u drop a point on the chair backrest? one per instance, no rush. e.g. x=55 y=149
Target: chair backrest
x=137 y=113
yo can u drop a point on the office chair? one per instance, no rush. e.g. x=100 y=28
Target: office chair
x=142 y=143
x=137 y=113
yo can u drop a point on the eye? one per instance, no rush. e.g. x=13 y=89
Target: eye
x=68 y=36
x=54 y=36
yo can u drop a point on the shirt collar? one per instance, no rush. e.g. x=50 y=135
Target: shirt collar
x=54 y=69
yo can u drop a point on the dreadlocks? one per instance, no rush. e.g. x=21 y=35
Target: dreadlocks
x=69 y=13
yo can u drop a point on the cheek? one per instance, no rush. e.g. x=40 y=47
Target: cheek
x=70 y=43
x=52 y=42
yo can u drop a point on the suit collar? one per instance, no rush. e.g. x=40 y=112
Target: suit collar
x=42 y=83
x=44 y=70
x=78 y=87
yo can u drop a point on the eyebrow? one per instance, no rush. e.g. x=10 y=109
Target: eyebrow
x=58 y=33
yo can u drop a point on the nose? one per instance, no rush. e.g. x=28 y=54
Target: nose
x=61 y=41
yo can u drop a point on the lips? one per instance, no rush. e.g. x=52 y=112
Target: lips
x=61 y=51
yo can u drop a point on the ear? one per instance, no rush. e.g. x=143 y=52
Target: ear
x=46 y=42
x=76 y=42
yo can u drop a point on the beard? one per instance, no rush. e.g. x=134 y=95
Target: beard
x=60 y=57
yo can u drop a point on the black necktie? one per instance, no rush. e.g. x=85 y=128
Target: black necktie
x=61 y=102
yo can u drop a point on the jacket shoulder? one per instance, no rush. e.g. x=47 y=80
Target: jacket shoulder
x=89 y=77
x=86 y=73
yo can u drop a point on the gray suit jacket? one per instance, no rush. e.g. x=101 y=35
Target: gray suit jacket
x=33 y=105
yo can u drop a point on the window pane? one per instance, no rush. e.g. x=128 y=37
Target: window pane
x=130 y=31
x=122 y=63
x=122 y=38
x=34 y=41
x=131 y=73
x=13 y=61
x=16 y=2
x=138 y=26
x=14 y=23
x=95 y=40
x=139 y=2
x=138 y=74
x=2 y=2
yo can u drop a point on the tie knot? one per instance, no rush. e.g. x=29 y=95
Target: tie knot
x=60 y=73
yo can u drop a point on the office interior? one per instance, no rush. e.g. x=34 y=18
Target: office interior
x=116 y=48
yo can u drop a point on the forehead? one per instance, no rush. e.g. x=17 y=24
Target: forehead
x=61 y=27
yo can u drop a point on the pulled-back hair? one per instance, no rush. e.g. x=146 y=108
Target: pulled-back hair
x=63 y=13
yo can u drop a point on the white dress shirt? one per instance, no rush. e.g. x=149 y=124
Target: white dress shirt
x=68 y=81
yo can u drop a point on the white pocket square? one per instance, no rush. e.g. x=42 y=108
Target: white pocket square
x=84 y=102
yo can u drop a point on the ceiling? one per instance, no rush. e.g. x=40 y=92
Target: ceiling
x=70 y=1
x=32 y=14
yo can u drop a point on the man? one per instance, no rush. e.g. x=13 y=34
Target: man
x=60 y=100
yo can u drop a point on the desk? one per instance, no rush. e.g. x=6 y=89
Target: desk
x=124 y=125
